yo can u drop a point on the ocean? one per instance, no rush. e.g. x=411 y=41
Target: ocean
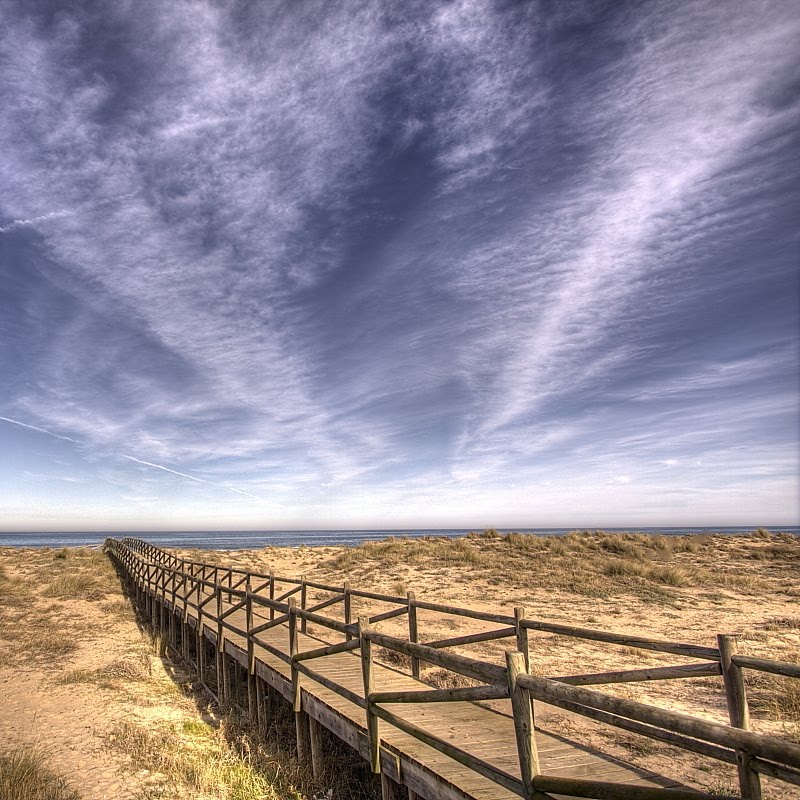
x=247 y=540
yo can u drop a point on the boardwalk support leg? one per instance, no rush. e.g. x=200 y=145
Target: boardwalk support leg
x=315 y=740
x=300 y=719
x=252 y=707
x=366 y=672
x=388 y=788
x=739 y=714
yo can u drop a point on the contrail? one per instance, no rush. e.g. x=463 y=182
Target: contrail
x=35 y=428
x=131 y=458
x=190 y=477
x=21 y=223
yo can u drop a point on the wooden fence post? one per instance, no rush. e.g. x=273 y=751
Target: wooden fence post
x=738 y=713
x=220 y=654
x=366 y=672
x=522 y=636
x=299 y=721
x=413 y=632
x=251 y=656
x=348 y=618
x=523 y=722
x=271 y=593
x=303 y=598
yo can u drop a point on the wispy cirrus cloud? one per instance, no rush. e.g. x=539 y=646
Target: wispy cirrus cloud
x=354 y=248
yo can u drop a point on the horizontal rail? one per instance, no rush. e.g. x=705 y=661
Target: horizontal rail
x=460 y=694
x=473 y=638
x=767 y=665
x=330 y=650
x=710 y=669
x=602 y=790
x=676 y=648
x=500 y=619
x=395 y=612
x=754 y=743
x=723 y=754
x=469 y=667
x=343 y=691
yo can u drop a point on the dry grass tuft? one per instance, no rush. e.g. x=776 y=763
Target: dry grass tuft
x=75 y=586
x=591 y=563
x=774 y=696
x=196 y=757
x=24 y=775
x=112 y=675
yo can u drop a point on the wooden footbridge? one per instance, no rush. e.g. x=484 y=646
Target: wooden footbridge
x=438 y=743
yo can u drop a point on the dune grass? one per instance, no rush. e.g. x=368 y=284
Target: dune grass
x=24 y=775
x=588 y=563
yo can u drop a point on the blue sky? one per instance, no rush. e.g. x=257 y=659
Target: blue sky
x=412 y=264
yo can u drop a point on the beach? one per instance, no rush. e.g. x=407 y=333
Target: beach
x=103 y=674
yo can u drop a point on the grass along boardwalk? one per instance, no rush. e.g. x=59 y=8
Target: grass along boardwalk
x=265 y=632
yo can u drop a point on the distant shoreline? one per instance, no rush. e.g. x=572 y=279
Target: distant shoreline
x=252 y=540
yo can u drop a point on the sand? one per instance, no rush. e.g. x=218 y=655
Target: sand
x=748 y=586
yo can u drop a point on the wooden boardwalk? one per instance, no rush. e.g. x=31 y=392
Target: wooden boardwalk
x=486 y=733
x=453 y=749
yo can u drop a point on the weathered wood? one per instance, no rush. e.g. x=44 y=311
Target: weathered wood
x=325 y=603
x=661 y=734
x=395 y=612
x=329 y=650
x=315 y=741
x=767 y=747
x=501 y=619
x=471 y=668
x=367 y=674
x=647 y=674
x=460 y=694
x=523 y=646
x=676 y=648
x=348 y=610
x=156 y=577
x=413 y=632
x=599 y=790
x=464 y=757
x=739 y=715
x=303 y=603
x=272 y=594
x=766 y=665
x=388 y=788
x=523 y=722
x=473 y=638
x=329 y=684
x=775 y=771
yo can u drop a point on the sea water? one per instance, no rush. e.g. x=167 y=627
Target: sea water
x=245 y=540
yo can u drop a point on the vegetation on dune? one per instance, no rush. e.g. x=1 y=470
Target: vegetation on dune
x=589 y=563
x=24 y=775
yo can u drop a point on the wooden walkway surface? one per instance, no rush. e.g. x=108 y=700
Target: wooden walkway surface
x=483 y=731
x=441 y=744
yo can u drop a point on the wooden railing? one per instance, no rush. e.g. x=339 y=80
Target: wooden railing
x=215 y=593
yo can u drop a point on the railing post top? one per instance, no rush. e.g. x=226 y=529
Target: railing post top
x=410 y=596
x=520 y=612
x=516 y=658
x=363 y=625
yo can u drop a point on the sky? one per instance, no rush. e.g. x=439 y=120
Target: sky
x=384 y=265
